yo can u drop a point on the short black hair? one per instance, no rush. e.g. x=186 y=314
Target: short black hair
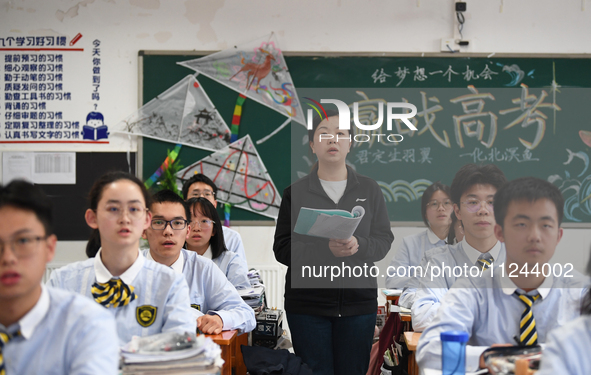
x=207 y=209
x=316 y=120
x=169 y=196
x=199 y=177
x=26 y=196
x=451 y=234
x=428 y=193
x=472 y=174
x=527 y=189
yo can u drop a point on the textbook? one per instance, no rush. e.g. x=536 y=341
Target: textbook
x=337 y=224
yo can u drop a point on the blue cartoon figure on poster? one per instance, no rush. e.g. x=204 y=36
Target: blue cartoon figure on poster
x=95 y=127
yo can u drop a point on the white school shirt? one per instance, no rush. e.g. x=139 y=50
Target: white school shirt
x=486 y=308
x=430 y=292
x=64 y=333
x=234 y=243
x=212 y=293
x=410 y=254
x=567 y=349
x=232 y=266
x=161 y=294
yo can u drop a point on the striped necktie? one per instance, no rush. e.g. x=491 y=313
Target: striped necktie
x=484 y=261
x=5 y=337
x=113 y=293
x=528 y=335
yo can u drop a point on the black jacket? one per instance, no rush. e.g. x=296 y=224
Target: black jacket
x=344 y=295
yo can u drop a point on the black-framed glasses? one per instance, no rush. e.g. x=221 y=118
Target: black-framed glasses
x=22 y=246
x=175 y=224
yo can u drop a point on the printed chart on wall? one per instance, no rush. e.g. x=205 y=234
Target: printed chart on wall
x=529 y=116
x=50 y=89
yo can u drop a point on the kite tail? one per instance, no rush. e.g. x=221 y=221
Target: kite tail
x=164 y=166
x=227 y=208
x=236 y=118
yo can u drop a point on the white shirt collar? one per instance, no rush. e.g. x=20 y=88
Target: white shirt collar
x=177 y=266
x=433 y=237
x=208 y=254
x=103 y=275
x=509 y=286
x=31 y=320
x=473 y=254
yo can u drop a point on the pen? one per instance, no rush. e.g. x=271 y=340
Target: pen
x=516 y=338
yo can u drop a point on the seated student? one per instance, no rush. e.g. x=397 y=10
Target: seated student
x=206 y=238
x=210 y=291
x=567 y=348
x=503 y=306
x=145 y=297
x=472 y=192
x=436 y=207
x=43 y=329
x=201 y=186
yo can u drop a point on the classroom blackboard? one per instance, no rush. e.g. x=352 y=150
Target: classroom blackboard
x=526 y=114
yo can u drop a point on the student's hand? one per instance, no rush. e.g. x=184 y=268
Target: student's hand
x=492 y=346
x=210 y=324
x=343 y=248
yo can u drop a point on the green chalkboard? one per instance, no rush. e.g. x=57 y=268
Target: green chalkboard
x=528 y=115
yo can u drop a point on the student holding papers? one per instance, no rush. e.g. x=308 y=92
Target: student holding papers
x=332 y=315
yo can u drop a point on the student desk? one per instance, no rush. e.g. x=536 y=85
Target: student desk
x=391 y=298
x=412 y=340
x=229 y=342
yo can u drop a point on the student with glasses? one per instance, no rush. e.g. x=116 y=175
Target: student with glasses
x=200 y=186
x=214 y=300
x=42 y=329
x=436 y=208
x=472 y=193
x=145 y=297
x=206 y=238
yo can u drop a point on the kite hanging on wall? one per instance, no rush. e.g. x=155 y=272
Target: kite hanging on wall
x=257 y=70
x=183 y=114
x=241 y=178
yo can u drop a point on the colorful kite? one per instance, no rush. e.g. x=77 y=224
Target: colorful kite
x=183 y=114
x=257 y=70
x=241 y=178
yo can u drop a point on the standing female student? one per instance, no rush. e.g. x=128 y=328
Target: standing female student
x=436 y=208
x=145 y=297
x=332 y=317
x=207 y=239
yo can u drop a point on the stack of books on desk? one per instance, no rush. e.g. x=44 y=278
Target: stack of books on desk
x=195 y=355
x=254 y=276
x=254 y=296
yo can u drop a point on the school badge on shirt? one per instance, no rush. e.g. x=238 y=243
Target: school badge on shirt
x=196 y=306
x=146 y=315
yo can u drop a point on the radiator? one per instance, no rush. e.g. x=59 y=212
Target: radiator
x=273 y=277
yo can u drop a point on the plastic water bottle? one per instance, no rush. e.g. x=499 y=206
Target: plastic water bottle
x=453 y=352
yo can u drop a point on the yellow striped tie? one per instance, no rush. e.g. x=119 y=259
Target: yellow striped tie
x=484 y=261
x=4 y=339
x=528 y=335
x=113 y=293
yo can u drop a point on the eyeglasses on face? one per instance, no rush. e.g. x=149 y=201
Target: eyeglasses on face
x=175 y=224
x=134 y=211
x=22 y=246
x=203 y=224
x=434 y=204
x=202 y=193
x=473 y=205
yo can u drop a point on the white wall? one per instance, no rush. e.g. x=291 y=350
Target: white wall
x=127 y=26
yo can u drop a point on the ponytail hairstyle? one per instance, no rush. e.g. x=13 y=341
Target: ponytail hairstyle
x=204 y=206
x=95 y=195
